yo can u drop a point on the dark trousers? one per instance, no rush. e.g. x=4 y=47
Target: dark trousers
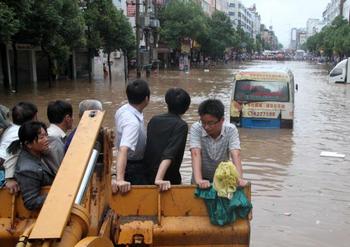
x=135 y=172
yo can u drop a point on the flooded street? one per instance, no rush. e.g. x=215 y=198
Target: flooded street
x=299 y=198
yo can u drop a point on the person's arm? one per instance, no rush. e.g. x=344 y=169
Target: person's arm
x=30 y=185
x=10 y=167
x=128 y=141
x=236 y=160
x=235 y=154
x=174 y=149
x=118 y=182
x=159 y=180
x=196 y=156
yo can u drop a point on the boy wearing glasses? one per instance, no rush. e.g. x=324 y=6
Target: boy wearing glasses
x=212 y=141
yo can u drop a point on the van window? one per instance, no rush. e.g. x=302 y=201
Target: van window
x=257 y=91
x=336 y=72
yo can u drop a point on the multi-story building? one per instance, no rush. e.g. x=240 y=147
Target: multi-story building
x=298 y=38
x=313 y=26
x=256 y=21
x=301 y=38
x=268 y=37
x=210 y=6
x=332 y=11
x=241 y=17
x=346 y=9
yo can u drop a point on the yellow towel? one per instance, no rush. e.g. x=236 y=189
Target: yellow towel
x=226 y=179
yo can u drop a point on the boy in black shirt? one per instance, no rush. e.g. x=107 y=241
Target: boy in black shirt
x=166 y=140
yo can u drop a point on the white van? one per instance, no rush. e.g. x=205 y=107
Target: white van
x=340 y=73
x=263 y=97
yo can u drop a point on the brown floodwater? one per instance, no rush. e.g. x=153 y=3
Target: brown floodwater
x=299 y=198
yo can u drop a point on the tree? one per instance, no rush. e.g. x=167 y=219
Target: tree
x=13 y=22
x=182 y=19
x=108 y=28
x=332 y=40
x=220 y=36
x=10 y=25
x=57 y=27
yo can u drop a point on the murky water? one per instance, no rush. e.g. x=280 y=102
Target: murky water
x=299 y=198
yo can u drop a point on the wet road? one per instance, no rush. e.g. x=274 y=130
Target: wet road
x=299 y=198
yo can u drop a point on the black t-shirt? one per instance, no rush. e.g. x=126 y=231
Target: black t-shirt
x=166 y=139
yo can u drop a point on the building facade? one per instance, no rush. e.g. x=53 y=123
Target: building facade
x=313 y=26
x=331 y=12
x=346 y=10
x=268 y=37
x=298 y=38
x=242 y=17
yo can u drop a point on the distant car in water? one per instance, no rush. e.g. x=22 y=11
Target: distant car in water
x=263 y=98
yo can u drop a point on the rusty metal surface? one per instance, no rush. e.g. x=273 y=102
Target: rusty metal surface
x=94 y=242
x=136 y=232
x=197 y=230
x=178 y=201
x=184 y=220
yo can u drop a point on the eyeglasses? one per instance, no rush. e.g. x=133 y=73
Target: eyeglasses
x=209 y=124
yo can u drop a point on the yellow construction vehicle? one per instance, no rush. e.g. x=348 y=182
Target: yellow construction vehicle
x=80 y=209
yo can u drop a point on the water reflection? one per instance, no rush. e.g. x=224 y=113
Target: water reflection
x=266 y=157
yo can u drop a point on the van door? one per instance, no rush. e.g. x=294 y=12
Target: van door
x=338 y=73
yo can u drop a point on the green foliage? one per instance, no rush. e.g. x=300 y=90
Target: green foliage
x=57 y=27
x=333 y=39
x=8 y=22
x=220 y=35
x=182 y=19
x=108 y=28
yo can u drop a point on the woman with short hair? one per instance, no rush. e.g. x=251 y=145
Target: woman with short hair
x=32 y=173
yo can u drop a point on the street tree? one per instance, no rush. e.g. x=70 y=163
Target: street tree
x=57 y=27
x=108 y=28
x=13 y=22
x=180 y=20
x=10 y=25
x=332 y=40
x=220 y=35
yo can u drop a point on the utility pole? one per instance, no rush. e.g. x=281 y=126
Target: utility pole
x=137 y=22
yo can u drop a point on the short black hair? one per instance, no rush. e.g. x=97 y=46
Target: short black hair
x=23 y=112
x=57 y=110
x=212 y=107
x=178 y=100
x=30 y=131
x=137 y=91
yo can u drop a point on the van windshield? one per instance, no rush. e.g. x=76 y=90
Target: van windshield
x=257 y=91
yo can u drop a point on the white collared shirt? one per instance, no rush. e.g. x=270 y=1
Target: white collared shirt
x=56 y=131
x=131 y=131
x=10 y=135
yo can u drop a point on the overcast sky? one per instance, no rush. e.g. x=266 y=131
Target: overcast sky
x=286 y=14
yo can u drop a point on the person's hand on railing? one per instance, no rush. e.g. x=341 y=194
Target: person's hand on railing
x=242 y=182
x=120 y=186
x=163 y=185
x=203 y=184
x=12 y=185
